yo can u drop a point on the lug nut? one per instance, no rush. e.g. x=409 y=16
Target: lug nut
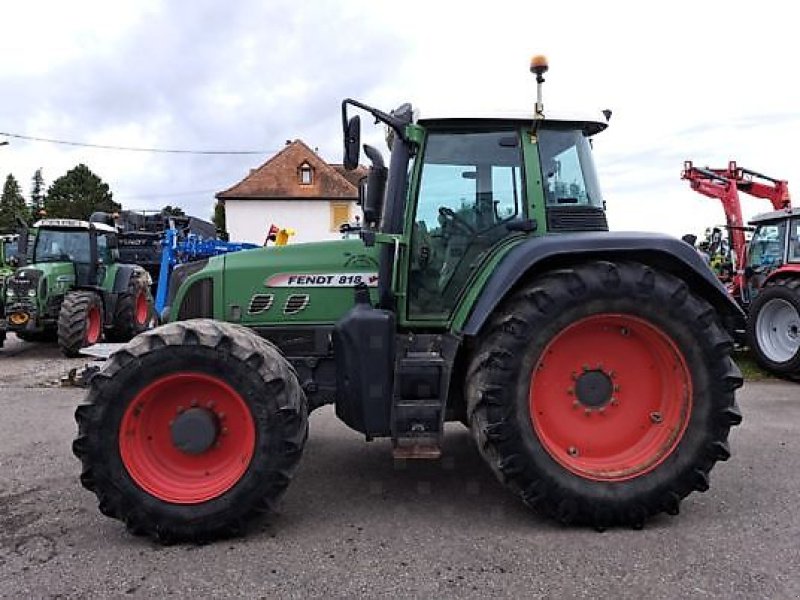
x=624 y=331
x=656 y=417
x=572 y=451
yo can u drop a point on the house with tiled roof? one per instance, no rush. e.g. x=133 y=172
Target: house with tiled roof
x=294 y=189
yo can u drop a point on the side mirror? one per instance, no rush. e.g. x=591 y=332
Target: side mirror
x=352 y=143
x=371 y=190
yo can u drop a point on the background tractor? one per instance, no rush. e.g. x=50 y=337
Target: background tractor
x=764 y=274
x=593 y=368
x=73 y=288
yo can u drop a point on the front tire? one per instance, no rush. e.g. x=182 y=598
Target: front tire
x=603 y=394
x=191 y=430
x=773 y=327
x=80 y=322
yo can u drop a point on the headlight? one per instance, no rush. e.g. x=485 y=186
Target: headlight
x=31 y=293
x=9 y=292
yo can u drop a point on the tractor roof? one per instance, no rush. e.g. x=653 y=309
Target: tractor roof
x=589 y=126
x=776 y=215
x=72 y=224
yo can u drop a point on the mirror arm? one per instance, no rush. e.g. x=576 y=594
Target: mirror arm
x=397 y=124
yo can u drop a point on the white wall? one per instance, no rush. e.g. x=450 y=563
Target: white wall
x=249 y=220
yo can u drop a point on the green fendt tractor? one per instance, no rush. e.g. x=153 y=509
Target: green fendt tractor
x=74 y=289
x=593 y=368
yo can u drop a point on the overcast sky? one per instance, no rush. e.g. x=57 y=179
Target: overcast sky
x=708 y=81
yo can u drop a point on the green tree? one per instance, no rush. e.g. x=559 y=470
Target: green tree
x=173 y=211
x=219 y=219
x=78 y=194
x=37 y=193
x=12 y=204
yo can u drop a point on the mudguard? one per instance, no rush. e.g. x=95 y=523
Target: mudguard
x=123 y=277
x=656 y=250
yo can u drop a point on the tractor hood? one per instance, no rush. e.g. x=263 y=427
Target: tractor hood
x=302 y=283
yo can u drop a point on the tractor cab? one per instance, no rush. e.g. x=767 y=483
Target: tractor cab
x=774 y=247
x=87 y=247
x=463 y=188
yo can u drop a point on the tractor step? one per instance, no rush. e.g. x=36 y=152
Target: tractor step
x=422 y=378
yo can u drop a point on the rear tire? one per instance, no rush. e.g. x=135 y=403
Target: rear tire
x=773 y=327
x=134 y=312
x=80 y=322
x=136 y=467
x=603 y=394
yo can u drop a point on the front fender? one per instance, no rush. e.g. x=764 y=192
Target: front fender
x=548 y=252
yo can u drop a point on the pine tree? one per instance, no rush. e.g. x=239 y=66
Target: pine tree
x=12 y=204
x=37 y=194
x=78 y=194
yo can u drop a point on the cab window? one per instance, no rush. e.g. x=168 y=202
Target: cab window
x=568 y=169
x=766 y=247
x=470 y=188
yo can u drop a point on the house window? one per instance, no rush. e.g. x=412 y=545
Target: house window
x=340 y=214
x=305 y=174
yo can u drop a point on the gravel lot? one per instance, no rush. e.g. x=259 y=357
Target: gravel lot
x=355 y=524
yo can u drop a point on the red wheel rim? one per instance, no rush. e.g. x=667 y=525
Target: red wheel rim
x=93 y=325
x=168 y=473
x=610 y=397
x=141 y=308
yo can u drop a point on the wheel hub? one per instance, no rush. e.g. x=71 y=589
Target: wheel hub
x=195 y=430
x=593 y=389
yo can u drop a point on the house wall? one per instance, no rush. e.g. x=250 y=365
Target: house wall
x=249 y=220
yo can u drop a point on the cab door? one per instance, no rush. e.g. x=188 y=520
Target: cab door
x=469 y=191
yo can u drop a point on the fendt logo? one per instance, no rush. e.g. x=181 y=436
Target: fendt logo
x=321 y=280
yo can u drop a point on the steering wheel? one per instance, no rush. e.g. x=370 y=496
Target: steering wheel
x=450 y=215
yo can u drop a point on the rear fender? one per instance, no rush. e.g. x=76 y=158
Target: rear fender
x=545 y=253
x=787 y=270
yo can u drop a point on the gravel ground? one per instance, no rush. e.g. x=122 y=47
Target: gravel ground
x=356 y=524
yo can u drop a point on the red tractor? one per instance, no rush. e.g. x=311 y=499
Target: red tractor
x=764 y=276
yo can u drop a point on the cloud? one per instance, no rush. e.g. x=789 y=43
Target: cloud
x=208 y=77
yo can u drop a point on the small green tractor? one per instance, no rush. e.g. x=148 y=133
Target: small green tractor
x=593 y=368
x=74 y=288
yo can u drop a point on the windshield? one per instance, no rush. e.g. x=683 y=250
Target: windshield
x=65 y=245
x=766 y=247
x=568 y=168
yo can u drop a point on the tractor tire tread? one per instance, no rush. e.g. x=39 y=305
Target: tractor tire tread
x=492 y=390
x=262 y=485
x=72 y=321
